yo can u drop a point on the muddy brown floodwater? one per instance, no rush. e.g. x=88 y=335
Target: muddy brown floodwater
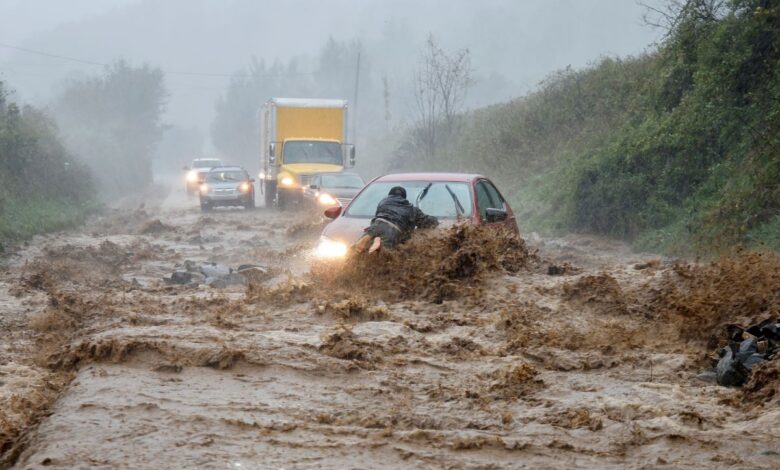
x=582 y=356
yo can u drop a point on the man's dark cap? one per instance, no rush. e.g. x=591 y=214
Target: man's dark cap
x=397 y=191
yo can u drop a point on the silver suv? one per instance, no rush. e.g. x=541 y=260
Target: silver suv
x=227 y=186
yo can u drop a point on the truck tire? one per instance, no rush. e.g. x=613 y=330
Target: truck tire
x=270 y=193
x=282 y=200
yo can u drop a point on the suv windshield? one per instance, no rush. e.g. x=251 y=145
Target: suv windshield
x=227 y=176
x=341 y=181
x=312 y=151
x=206 y=163
x=437 y=202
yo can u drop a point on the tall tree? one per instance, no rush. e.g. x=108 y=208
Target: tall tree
x=441 y=82
x=114 y=122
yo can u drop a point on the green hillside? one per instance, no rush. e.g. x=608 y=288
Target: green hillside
x=677 y=150
x=42 y=187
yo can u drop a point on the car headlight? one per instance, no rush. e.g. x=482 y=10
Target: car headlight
x=261 y=175
x=287 y=181
x=192 y=176
x=204 y=188
x=328 y=248
x=327 y=200
x=244 y=188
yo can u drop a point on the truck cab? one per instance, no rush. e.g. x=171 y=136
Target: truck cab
x=301 y=138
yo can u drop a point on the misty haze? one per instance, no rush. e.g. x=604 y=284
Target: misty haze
x=389 y=233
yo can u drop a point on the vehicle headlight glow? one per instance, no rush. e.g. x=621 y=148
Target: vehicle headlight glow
x=244 y=188
x=327 y=200
x=328 y=248
x=192 y=176
x=204 y=188
x=287 y=181
x=261 y=175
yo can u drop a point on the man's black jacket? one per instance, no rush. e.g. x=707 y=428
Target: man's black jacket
x=398 y=210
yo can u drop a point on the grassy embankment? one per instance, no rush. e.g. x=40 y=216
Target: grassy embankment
x=677 y=150
x=42 y=188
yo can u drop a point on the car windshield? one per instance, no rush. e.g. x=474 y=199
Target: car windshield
x=227 y=176
x=342 y=181
x=438 y=201
x=206 y=163
x=312 y=151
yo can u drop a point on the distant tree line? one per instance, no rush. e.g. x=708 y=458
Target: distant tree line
x=435 y=93
x=235 y=129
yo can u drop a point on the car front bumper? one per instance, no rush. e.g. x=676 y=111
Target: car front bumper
x=226 y=199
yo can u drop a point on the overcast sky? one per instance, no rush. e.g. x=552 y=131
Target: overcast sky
x=520 y=41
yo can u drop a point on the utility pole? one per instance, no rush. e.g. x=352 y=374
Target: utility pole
x=355 y=101
x=386 y=96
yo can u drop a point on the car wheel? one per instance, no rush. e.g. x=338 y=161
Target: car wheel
x=250 y=204
x=205 y=207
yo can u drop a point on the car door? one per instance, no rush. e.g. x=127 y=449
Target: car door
x=488 y=197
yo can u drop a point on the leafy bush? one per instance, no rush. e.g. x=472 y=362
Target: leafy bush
x=42 y=187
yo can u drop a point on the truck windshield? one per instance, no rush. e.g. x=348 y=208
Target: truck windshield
x=312 y=151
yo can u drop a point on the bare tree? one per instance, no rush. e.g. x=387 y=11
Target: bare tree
x=669 y=14
x=441 y=82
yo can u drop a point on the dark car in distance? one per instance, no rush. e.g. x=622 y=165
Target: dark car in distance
x=332 y=189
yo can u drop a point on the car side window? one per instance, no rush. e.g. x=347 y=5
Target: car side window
x=488 y=197
x=483 y=200
x=494 y=194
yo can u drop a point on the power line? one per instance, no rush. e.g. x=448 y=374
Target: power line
x=168 y=72
x=55 y=56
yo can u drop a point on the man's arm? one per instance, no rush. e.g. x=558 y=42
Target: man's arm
x=425 y=221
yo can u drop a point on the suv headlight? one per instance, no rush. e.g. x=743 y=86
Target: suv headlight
x=192 y=176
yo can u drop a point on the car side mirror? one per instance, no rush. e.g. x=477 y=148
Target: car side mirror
x=495 y=215
x=272 y=151
x=313 y=186
x=352 y=156
x=333 y=212
x=185 y=168
x=251 y=180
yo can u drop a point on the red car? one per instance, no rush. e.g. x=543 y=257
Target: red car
x=447 y=196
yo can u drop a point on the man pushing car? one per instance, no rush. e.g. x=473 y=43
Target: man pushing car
x=394 y=221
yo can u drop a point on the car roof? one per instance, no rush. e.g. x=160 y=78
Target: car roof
x=206 y=159
x=226 y=167
x=464 y=177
